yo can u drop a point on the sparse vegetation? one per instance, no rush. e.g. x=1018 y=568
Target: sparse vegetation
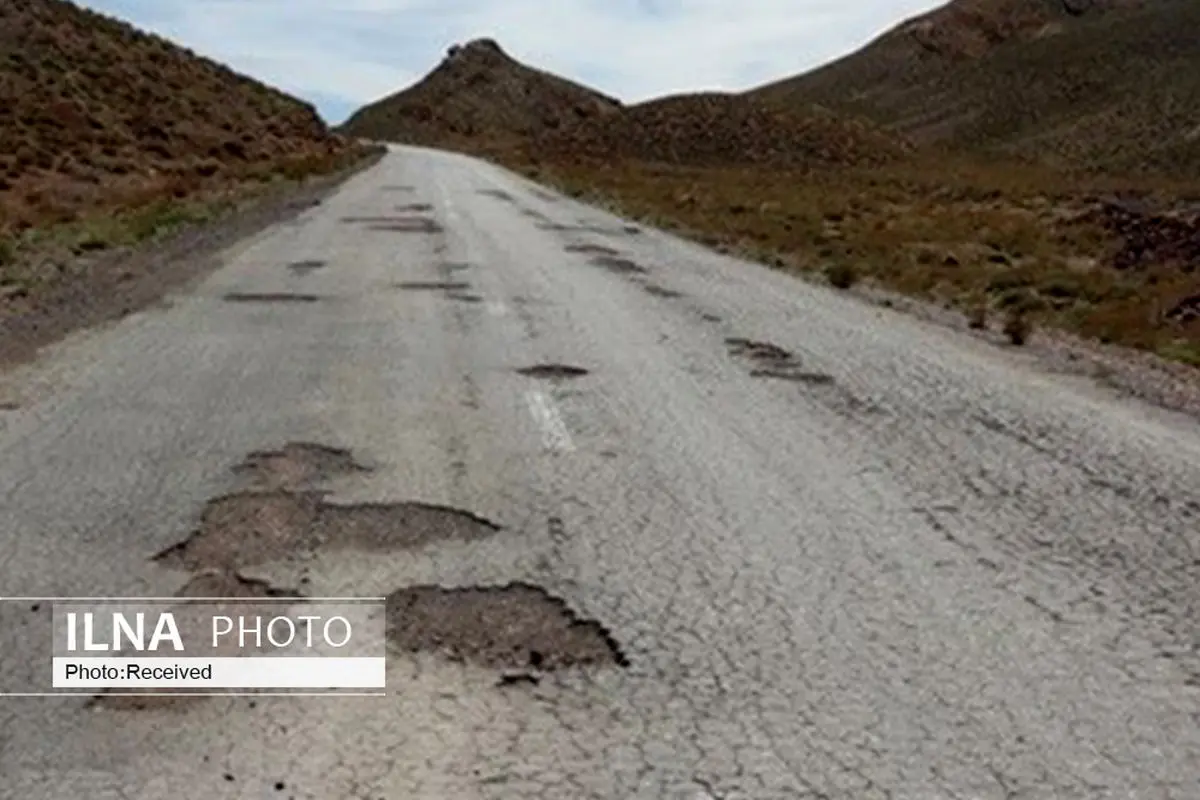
x=841 y=275
x=110 y=136
x=1019 y=239
x=1017 y=327
x=1100 y=85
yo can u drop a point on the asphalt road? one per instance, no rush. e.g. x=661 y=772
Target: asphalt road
x=904 y=564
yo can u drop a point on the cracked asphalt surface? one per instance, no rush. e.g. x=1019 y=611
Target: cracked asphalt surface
x=939 y=573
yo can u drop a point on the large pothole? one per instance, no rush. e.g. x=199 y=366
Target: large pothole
x=279 y=515
x=518 y=626
x=252 y=528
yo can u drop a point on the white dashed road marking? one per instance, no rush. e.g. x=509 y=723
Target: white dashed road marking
x=554 y=432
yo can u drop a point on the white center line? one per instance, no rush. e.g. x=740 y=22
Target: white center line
x=554 y=432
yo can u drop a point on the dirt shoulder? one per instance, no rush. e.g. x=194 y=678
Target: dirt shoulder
x=71 y=280
x=1094 y=277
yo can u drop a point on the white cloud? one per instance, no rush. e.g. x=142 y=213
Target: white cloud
x=348 y=52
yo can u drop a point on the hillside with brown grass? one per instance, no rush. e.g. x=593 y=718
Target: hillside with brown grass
x=478 y=94
x=715 y=129
x=1107 y=85
x=97 y=116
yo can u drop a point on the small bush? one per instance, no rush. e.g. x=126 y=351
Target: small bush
x=1017 y=328
x=841 y=275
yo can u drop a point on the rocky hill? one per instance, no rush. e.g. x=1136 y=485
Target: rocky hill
x=1103 y=84
x=478 y=94
x=717 y=130
x=95 y=115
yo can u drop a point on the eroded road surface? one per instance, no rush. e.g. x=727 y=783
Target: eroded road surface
x=653 y=523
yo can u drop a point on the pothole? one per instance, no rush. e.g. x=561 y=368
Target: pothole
x=306 y=266
x=758 y=351
x=455 y=266
x=661 y=291
x=774 y=362
x=252 y=528
x=621 y=266
x=412 y=226
x=463 y=297
x=552 y=371
x=432 y=286
x=403 y=224
x=591 y=249
x=499 y=194
x=517 y=626
x=297 y=464
x=270 y=297
x=708 y=316
x=279 y=515
x=409 y=207
x=792 y=374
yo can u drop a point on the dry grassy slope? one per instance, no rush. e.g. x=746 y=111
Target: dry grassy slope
x=478 y=94
x=95 y=114
x=1111 y=87
x=716 y=129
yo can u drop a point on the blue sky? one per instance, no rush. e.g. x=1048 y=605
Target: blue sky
x=340 y=54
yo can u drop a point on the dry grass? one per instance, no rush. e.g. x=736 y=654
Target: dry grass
x=1113 y=88
x=96 y=116
x=997 y=241
x=110 y=136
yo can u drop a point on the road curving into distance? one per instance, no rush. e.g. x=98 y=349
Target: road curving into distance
x=691 y=528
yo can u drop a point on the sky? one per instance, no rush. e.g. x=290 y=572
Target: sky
x=342 y=54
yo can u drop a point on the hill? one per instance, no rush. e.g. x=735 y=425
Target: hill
x=716 y=130
x=97 y=115
x=1102 y=84
x=478 y=94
